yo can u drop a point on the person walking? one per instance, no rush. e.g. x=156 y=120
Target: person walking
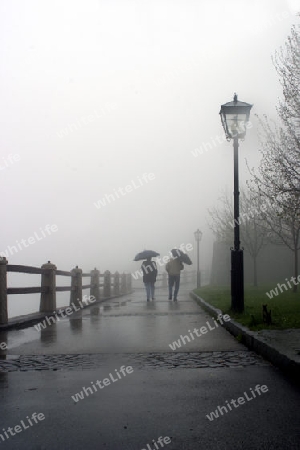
x=149 y=269
x=173 y=267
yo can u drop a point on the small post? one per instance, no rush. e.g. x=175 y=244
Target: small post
x=95 y=280
x=107 y=286
x=116 y=283
x=3 y=291
x=128 y=283
x=48 y=285
x=123 y=283
x=76 y=287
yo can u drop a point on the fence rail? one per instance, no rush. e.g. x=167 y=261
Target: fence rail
x=25 y=290
x=24 y=269
x=113 y=284
x=63 y=273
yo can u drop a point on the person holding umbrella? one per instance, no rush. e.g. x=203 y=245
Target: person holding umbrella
x=173 y=267
x=149 y=269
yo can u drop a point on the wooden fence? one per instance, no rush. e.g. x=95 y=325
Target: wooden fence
x=102 y=286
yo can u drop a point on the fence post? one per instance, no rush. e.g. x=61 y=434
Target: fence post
x=164 y=280
x=95 y=288
x=123 y=283
x=3 y=291
x=128 y=283
x=48 y=287
x=107 y=282
x=116 y=283
x=76 y=287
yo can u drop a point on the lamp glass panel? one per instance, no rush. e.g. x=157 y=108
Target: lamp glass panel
x=236 y=123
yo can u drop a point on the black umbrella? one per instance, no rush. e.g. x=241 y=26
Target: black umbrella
x=183 y=257
x=145 y=254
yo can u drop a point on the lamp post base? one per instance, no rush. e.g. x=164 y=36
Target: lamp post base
x=237 y=280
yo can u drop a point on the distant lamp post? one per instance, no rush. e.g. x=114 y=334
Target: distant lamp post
x=235 y=117
x=198 y=237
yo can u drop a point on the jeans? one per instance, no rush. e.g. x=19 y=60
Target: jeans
x=174 y=280
x=150 y=289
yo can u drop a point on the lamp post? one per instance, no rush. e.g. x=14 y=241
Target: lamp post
x=235 y=117
x=198 y=236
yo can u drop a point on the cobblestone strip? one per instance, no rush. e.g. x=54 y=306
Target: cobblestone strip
x=139 y=360
x=198 y=359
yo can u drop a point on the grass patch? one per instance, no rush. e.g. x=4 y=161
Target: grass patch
x=285 y=307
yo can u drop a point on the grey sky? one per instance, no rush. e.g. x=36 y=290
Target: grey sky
x=97 y=93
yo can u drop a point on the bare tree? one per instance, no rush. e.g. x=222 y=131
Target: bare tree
x=254 y=235
x=287 y=65
x=277 y=179
x=220 y=219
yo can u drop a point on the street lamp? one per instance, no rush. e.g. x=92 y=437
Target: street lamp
x=198 y=236
x=235 y=117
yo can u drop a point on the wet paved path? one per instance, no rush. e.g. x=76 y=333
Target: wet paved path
x=125 y=325
x=140 y=331
x=170 y=393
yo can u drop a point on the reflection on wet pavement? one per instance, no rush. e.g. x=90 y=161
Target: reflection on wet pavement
x=130 y=325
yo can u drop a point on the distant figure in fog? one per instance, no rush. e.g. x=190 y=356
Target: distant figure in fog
x=173 y=267
x=149 y=269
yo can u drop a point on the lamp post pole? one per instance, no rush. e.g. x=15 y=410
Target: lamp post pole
x=198 y=236
x=198 y=266
x=234 y=117
x=237 y=257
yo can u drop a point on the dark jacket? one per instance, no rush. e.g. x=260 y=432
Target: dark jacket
x=174 y=266
x=149 y=269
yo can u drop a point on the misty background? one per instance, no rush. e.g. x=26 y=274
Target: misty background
x=95 y=94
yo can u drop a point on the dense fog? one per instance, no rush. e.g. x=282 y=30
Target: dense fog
x=111 y=140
